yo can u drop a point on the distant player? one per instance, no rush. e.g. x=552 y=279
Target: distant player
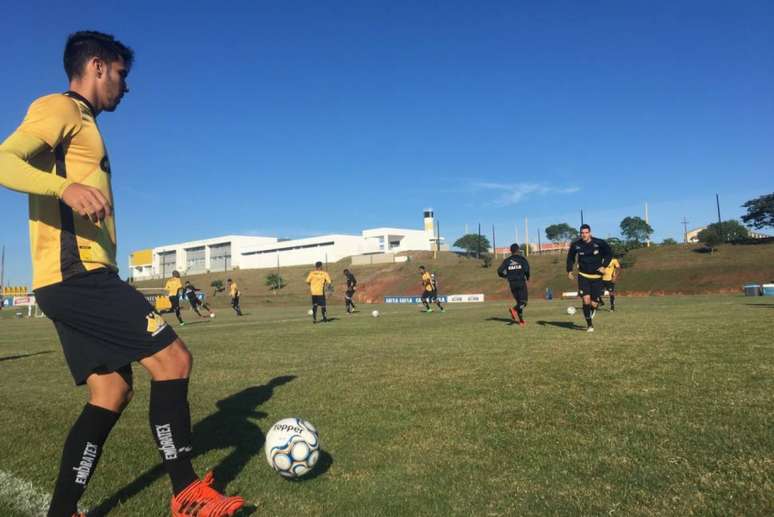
x=57 y=155
x=233 y=291
x=593 y=255
x=351 y=285
x=173 y=287
x=318 y=280
x=609 y=278
x=429 y=290
x=190 y=292
x=516 y=270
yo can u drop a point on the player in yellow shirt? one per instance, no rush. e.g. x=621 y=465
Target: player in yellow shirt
x=609 y=278
x=429 y=290
x=233 y=291
x=318 y=280
x=173 y=287
x=58 y=157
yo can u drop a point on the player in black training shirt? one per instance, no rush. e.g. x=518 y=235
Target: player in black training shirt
x=594 y=255
x=351 y=284
x=190 y=292
x=516 y=270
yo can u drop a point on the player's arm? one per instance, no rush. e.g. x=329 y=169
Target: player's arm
x=570 y=261
x=525 y=267
x=501 y=270
x=607 y=254
x=309 y=278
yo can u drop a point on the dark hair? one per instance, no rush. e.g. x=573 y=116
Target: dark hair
x=585 y=227
x=514 y=248
x=318 y=264
x=228 y=280
x=421 y=267
x=346 y=271
x=84 y=45
x=176 y=273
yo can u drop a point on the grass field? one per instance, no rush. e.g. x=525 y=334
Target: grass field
x=668 y=409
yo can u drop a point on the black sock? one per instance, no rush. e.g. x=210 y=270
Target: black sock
x=170 y=421
x=587 y=313
x=612 y=301
x=520 y=312
x=80 y=455
x=325 y=313
x=314 y=312
x=439 y=305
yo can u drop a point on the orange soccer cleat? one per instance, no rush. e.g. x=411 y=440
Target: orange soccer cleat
x=513 y=313
x=199 y=499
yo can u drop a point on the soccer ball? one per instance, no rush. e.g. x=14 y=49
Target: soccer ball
x=310 y=312
x=292 y=447
x=570 y=310
x=212 y=315
x=375 y=313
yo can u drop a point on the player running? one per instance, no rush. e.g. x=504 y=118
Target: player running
x=318 y=280
x=351 y=285
x=593 y=257
x=190 y=292
x=58 y=157
x=516 y=270
x=233 y=291
x=609 y=278
x=429 y=290
x=173 y=287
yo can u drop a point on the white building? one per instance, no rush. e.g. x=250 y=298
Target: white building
x=245 y=252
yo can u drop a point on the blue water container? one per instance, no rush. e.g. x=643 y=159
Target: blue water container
x=768 y=289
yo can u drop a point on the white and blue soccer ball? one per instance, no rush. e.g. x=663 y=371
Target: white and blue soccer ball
x=309 y=312
x=375 y=313
x=570 y=310
x=292 y=447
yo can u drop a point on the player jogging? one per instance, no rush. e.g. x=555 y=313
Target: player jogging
x=58 y=157
x=173 y=288
x=233 y=291
x=318 y=280
x=429 y=290
x=516 y=270
x=609 y=278
x=190 y=292
x=593 y=256
x=350 y=292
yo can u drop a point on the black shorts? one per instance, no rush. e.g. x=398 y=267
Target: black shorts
x=194 y=301
x=519 y=292
x=349 y=294
x=318 y=299
x=429 y=295
x=104 y=324
x=174 y=301
x=609 y=285
x=590 y=286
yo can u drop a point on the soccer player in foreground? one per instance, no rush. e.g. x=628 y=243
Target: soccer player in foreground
x=609 y=278
x=429 y=290
x=593 y=257
x=58 y=157
x=233 y=290
x=318 y=280
x=173 y=287
x=190 y=292
x=351 y=285
x=516 y=270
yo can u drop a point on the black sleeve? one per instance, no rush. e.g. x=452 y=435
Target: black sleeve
x=354 y=281
x=571 y=257
x=607 y=252
x=525 y=267
x=501 y=270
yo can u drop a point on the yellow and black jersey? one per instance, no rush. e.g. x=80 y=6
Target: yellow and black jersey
x=63 y=243
x=233 y=290
x=317 y=281
x=173 y=286
x=427 y=281
x=610 y=270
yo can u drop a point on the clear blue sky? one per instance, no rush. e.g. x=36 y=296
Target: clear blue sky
x=298 y=118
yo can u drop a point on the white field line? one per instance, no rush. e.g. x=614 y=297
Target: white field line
x=23 y=496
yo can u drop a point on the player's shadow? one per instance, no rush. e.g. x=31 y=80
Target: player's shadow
x=230 y=427
x=561 y=324
x=762 y=305
x=497 y=318
x=22 y=356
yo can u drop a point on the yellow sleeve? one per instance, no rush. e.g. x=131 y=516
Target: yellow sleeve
x=16 y=174
x=52 y=118
x=309 y=278
x=328 y=278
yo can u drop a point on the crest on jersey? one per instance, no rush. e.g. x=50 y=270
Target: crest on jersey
x=155 y=323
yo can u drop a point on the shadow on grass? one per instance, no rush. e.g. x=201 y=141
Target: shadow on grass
x=22 y=356
x=509 y=321
x=230 y=427
x=561 y=324
x=762 y=305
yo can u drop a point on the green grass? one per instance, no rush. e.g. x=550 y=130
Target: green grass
x=668 y=409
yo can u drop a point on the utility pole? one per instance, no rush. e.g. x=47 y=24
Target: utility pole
x=437 y=238
x=526 y=235
x=494 y=246
x=2 y=276
x=478 y=242
x=581 y=217
x=540 y=246
x=516 y=227
x=685 y=230
x=647 y=222
x=720 y=224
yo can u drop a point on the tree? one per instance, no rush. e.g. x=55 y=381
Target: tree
x=561 y=232
x=635 y=229
x=217 y=287
x=724 y=231
x=760 y=212
x=275 y=282
x=472 y=243
x=668 y=242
